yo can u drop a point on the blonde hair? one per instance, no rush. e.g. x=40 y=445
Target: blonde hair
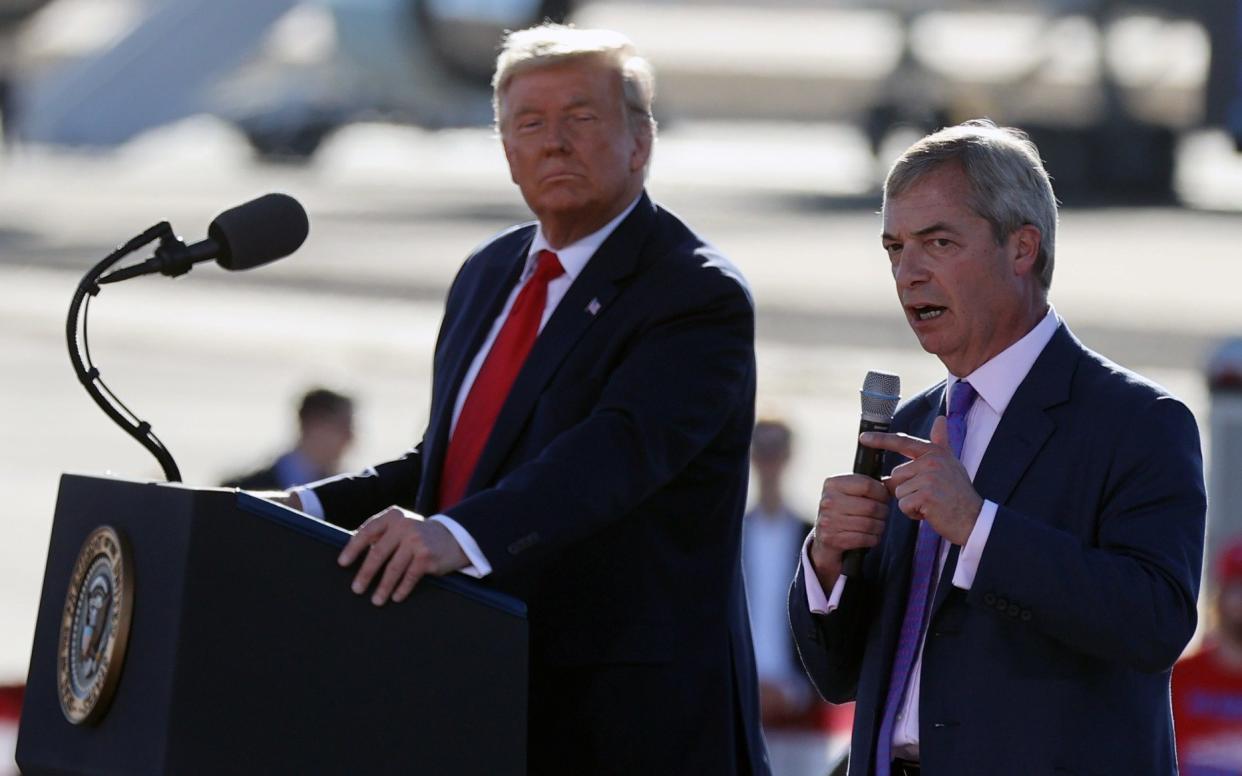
x=551 y=44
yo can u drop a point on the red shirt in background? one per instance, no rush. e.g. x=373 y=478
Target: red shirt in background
x=1207 y=714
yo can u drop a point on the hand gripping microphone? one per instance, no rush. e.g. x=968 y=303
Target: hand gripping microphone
x=881 y=393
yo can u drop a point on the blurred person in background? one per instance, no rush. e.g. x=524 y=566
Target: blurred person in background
x=1033 y=553
x=772 y=534
x=325 y=432
x=1207 y=686
x=591 y=413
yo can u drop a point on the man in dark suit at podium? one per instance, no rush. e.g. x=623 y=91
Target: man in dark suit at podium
x=587 y=444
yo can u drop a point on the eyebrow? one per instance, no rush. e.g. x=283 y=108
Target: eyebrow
x=939 y=226
x=574 y=102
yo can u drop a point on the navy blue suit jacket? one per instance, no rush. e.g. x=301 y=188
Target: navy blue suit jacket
x=1057 y=659
x=610 y=497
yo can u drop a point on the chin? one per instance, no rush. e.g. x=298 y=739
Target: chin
x=561 y=201
x=926 y=343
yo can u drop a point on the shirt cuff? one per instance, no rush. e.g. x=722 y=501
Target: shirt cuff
x=311 y=504
x=818 y=602
x=479 y=567
x=972 y=551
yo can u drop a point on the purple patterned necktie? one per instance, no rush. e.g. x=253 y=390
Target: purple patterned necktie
x=926 y=552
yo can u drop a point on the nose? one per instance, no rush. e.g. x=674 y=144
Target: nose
x=555 y=138
x=910 y=268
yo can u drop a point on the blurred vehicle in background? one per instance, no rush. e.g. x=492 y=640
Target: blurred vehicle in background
x=1104 y=86
x=12 y=14
x=425 y=62
x=96 y=73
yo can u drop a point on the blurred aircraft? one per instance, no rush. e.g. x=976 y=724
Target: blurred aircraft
x=285 y=72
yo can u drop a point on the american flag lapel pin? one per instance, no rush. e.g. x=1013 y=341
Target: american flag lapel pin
x=593 y=306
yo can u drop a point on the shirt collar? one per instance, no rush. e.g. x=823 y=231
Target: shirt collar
x=997 y=380
x=574 y=257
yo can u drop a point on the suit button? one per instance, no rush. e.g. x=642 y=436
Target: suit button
x=1002 y=604
x=989 y=599
x=1026 y=615
x=1014 y=610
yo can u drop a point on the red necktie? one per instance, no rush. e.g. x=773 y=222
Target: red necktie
x=491 y=386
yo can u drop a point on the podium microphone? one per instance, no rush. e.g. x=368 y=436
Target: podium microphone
x=254 y=233
x=261 y=230
x=880 y=394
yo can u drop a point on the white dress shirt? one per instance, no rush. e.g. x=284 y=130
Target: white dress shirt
x=995 y=382
x=573 y=258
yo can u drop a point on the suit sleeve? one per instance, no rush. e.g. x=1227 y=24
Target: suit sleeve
x=830 y=646
x=349 y=499
x=688 y=372
x=1129 y=595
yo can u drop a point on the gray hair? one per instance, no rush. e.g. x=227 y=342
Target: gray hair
x=550 y=44
x=1009 y=187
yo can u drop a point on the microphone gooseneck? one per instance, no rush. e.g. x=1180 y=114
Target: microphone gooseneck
x=257 y=232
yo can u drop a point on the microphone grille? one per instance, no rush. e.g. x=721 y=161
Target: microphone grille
x=261 y=230
x=881 y=393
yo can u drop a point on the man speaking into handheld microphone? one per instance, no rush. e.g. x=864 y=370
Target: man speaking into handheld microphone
x=587 y=447
x=1033 y=551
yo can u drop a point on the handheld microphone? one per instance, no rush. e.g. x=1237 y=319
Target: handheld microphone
x=249 y=235
x=880 y=395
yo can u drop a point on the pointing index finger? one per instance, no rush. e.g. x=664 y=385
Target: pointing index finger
x=904 y=444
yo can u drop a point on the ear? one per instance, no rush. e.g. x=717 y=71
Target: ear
x=642 y=150
x=1024 y=243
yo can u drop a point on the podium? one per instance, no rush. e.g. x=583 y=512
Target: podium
x=246 y=652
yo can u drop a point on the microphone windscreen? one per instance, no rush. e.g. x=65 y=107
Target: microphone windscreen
x=261 y=230
x=881 y=393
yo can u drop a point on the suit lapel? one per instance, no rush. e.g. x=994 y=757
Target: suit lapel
x=590 y=293
x=1026 y=425
x=1022 y=432
x=498 y=274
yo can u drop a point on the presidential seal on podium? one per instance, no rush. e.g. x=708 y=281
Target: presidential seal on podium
x=94 y=626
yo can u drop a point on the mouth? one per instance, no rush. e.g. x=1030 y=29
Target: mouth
x=927 y=312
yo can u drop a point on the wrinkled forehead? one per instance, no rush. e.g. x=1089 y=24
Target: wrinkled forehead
x=943 y=195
